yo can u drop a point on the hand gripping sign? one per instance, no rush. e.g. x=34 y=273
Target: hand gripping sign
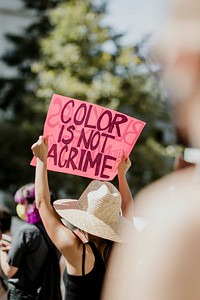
x=86 y=139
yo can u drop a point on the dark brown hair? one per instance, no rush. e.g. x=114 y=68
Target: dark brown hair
x=104 y=246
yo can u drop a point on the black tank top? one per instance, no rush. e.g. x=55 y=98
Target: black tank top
x=88 y=286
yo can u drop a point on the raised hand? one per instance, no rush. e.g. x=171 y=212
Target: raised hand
x=40 y=148
x=124 y=165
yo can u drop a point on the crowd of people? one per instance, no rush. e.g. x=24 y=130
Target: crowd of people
x=83 y=232
x=99 y=252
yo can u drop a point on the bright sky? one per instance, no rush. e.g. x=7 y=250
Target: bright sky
x=136 y=17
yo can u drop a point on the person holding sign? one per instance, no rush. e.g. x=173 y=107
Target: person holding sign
x=97 y=214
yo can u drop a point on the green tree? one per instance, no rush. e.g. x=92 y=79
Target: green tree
x=70 y=51
x=83 y=58
x=21 y=116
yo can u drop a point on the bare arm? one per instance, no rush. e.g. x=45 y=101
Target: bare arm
x=61 y=236
x=127 y=199
x=8 y=270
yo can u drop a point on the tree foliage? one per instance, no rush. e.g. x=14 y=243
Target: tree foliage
x=83 y=58
x=21 y=115
x=80 y=57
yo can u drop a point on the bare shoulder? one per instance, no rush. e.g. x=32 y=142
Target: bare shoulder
x=171 y=207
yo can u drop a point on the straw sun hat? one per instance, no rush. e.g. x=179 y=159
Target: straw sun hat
x=97 y=212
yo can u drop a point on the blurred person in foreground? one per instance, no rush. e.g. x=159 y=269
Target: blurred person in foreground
x=163 y=262
x=24 y=259
x=100 y=216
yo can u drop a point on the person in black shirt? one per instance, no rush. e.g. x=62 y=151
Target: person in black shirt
x=23 y=260
x=97 y=217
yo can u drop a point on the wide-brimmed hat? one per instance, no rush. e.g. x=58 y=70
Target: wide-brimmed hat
x=97 y=211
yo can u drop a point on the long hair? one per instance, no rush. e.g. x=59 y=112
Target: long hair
x=104 y=246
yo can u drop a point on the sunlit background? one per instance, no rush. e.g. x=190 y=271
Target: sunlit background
x=95 y=51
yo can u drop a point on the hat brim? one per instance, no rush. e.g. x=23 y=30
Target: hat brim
x=120 y=231
x=66 y=204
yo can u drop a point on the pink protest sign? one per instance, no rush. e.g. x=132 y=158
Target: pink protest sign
x=86 y=139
